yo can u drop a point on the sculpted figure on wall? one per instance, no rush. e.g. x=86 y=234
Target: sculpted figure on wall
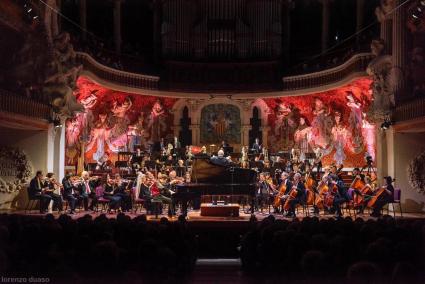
x=383 y=75
x=61 y=80
x=385 y=9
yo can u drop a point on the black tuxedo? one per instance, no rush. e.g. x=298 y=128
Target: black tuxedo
x=35 y=191
x=69 y=194
x=300 y=198
x=221 y=161
x=256 y=147
x=87 y=192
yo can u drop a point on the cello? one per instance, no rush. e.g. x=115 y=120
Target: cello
x=379 y=193
x=292 y=195
x=279 y=195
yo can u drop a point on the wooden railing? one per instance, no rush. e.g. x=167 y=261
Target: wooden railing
x=410 y=110
x=356 y=64
x=115 y=76
x=14 y=103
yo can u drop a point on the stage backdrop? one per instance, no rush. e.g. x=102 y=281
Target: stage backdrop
x=220 y=122
x=333 y=124
x=111 y=121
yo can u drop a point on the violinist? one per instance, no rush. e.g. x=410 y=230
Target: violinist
x=53 y=190
x=157 y=193
x=108 y=193
x=122 y=190
x=382 y=196
x=337 y=188
x=68 y=193
x=87 y=191
x=36 y=190
x=299 y=197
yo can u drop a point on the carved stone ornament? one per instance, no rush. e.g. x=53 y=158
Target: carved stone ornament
x=416 y=173
x=384 y=77
x=385 y=9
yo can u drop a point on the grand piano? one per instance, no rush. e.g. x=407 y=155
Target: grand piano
x=211 y=179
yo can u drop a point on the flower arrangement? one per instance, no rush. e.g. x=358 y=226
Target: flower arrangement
x=416 y=173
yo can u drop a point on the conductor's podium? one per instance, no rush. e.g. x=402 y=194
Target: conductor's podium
x=220 y=210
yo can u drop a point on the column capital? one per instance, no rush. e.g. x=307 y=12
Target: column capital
x=385 y=10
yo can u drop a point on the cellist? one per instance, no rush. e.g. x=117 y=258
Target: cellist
x=336 y=187
x=298 y=189
x=283 y=190
x=381 y=197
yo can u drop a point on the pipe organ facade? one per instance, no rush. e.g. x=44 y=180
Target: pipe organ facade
x=221 y=30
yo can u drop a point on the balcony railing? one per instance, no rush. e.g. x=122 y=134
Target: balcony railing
x=122 y=78
x=410 y=110
x=356 y=64
x=20 y=105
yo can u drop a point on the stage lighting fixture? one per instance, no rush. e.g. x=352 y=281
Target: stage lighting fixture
x=386 y=124
x=422 y=3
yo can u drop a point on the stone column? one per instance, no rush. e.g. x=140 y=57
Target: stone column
x=265 y=134
x=51 y=135
x=325 y=24
x=176 y=130
x=359 y=19
x=117 y=25
x=195 y=134
x=245 y=134
x=399 y=49
x=381 y=154
x=83 y=18
x=61 y=173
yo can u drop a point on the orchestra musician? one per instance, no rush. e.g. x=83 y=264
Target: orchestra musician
x=256 y=147
x=262 y=194
x=299 y=187
x=54 y=191
x=68 y=193
x=122 y=190
x=284 y=189
x=220 y=159
x=336 y=186
x=109 y=193
x=176 y=143
x=157 y=193
x=87 y=191
x=382 y=196
x=36 y=190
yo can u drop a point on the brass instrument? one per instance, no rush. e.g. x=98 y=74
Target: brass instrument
x=245 y=158
x=266 y=160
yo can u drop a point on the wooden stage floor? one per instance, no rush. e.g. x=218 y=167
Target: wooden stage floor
x=195 y=217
